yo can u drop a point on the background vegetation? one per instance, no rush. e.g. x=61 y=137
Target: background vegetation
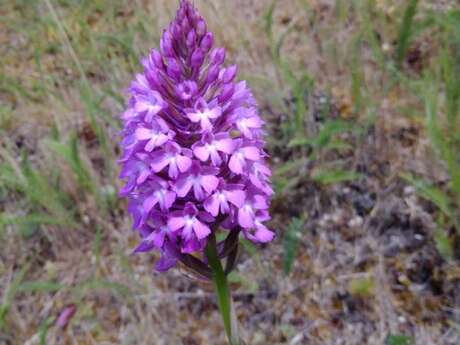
x=362 y=101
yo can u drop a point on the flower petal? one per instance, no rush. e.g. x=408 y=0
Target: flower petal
x=183 y=186
x=201 y=152
x=215 y=158
x=212 y=205
x=159 y=163
x=143 y=176
x=225 y=145
x=198 y=191
x=253 y=122
x=151 y=144
x=245 y=218
x=150 y=203
x=209 y=183
x=263 y=235
x=251 y=152
x=214 y=113
x=183 y=163
x=143 y=133
x=144 y=247
x=236 y=197
x=175 y=223
x=169 y=199
x=191 y=245
x=260 y=202
x=201 y=230
x=161 y=139
x=159 y=239
x=205 y=123
x=165 y=263
x=236 y=164
x=194 y=117
x=173 y=171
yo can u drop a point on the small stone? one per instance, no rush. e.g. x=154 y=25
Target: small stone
x=355 y=222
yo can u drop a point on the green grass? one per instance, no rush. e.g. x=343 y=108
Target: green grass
x=397 y=339
x=291 y=243
x=10 y=293
x=298 y=84
x=405 y=31
x=55 y=184
x=439 y=90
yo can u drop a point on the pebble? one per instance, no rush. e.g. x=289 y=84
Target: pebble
x=419 y=237
x=356 y=222
x=409 y=190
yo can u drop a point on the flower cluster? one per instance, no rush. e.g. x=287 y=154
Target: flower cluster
x=192 y=145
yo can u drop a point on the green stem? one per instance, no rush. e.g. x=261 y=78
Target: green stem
x=224 y=297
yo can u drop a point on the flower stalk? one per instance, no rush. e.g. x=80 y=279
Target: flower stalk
x=224 y=297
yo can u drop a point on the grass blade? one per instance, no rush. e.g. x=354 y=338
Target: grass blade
x=430 y=193
x=11 y=292
x=291 y=243
x=405 y=31
x=334 y=176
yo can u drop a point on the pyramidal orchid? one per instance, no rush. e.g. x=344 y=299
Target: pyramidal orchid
x=193 y=157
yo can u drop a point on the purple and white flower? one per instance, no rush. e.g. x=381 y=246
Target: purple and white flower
x=192 y=144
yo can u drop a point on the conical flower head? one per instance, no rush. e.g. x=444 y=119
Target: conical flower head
x=193 y=155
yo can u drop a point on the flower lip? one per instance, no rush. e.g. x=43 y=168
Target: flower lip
x=212 y=146
x=204 y=113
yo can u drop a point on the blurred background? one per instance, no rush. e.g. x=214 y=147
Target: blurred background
x=361 y=99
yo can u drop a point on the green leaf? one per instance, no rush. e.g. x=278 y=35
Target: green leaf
x=430 y=193
x=398 y=340
x=221 y=286
x=291 y=243
x=331 y=129
x=444 y=245
x=40 y=286
x=30 y=219
x=249 y=247
x=362 y=286
x=357 y=74
x=324 y=138
x=334 y=176
x=43 y=330
x=293 y=165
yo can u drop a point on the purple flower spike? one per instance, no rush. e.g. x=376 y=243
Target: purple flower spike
x=193 y=155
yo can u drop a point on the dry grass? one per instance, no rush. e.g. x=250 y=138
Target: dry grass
x=367 y=265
